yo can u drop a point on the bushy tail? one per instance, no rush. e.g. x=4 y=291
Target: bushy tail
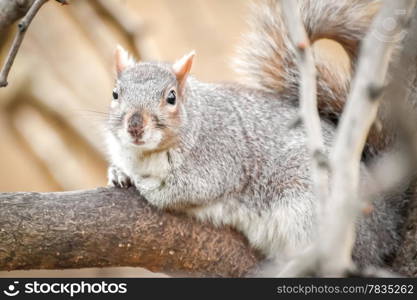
x=267 y=58
x=267 y=61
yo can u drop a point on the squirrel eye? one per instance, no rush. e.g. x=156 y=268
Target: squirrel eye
x=115 y=95
x=171 y=97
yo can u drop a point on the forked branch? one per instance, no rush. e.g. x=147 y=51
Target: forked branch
x=22 y=28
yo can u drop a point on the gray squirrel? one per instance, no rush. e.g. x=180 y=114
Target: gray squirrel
x=224 y=153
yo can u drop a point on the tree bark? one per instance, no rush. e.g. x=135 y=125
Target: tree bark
x=108 y=227
x=114 y=227
x=12 y=10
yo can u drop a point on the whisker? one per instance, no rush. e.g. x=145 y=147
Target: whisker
x=99 y=112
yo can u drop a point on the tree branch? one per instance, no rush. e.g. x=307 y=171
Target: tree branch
x=10 y=11
x=22 y=27
x=308 y=98
x=344 y=204
x=331 y=255
x=311 y=121
x=113 y=227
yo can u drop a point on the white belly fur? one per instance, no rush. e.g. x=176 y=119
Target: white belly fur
x=131 y=161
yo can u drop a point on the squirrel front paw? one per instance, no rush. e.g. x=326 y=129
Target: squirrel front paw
x=117 y=178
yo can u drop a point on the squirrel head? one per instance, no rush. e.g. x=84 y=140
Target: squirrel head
x=147 y=109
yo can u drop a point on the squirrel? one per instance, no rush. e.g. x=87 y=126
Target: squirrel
x=224 y=153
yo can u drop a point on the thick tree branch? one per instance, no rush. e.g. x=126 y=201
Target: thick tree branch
x=113 y=227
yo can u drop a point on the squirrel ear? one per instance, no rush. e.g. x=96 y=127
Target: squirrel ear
x=123 y=59
x=182 y=68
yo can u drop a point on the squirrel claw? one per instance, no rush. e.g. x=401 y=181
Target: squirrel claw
x=117 y=178
x=125 y=183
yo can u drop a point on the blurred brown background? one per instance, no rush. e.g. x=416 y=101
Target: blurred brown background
x=52 y=112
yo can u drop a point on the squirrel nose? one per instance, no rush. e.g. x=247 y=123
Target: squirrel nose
x=135 y=125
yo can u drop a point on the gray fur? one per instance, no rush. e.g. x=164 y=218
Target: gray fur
x=236 y=161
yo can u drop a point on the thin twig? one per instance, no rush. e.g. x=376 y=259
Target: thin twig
x=310 y=118
x=331 y=255
x=10 y=11
x=22 y=28
x=308 y=97
x=338 y=230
